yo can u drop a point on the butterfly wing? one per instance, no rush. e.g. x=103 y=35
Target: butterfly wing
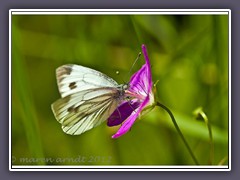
x=73 y=78
x=88 y=98
x=84 y=110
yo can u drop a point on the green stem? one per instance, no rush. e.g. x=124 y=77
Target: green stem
x=210 y=136
x=179 y=131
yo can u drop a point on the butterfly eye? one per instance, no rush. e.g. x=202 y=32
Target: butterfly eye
x=128 y=98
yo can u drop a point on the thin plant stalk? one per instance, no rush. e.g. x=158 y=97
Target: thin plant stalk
x=179 y=131
x=202 y=116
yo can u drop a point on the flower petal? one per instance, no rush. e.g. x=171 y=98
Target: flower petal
x=138 y=82
x=122 y=112
x=148 y=66
x=131 y=119
x=141 y=81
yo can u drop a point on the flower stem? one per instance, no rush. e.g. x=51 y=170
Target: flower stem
x=200 y=115
x=178 y=130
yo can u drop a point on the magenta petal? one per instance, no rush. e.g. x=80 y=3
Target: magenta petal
x=127 y=124
x=148 y=69
x=141 y=81
x=144 y=49
x=138 y=82
x=131 y=119
x=122 y=112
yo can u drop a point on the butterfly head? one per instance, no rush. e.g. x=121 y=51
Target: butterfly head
x=125 y=86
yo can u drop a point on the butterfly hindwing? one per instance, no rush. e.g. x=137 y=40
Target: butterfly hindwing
x=84 y=110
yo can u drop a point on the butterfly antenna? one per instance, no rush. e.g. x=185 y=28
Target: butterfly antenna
x=117 y=72
x=139 y=54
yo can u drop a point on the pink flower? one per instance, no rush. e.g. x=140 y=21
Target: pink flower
x=141 y=95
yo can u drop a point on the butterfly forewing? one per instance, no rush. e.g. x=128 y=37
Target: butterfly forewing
x=74 y=78
x=88 y=98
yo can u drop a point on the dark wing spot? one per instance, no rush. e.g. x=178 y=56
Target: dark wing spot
x=63 y=70
x=72 y=109
x=72 y=85
x=67 y=69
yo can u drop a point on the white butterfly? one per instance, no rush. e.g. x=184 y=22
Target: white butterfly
x=88 y=98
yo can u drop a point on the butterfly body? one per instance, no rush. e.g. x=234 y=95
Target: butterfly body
x=88 y=98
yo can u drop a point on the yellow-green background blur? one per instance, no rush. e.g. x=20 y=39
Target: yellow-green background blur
x=189 y=57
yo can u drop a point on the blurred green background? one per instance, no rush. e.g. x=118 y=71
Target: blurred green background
x=189 y=57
